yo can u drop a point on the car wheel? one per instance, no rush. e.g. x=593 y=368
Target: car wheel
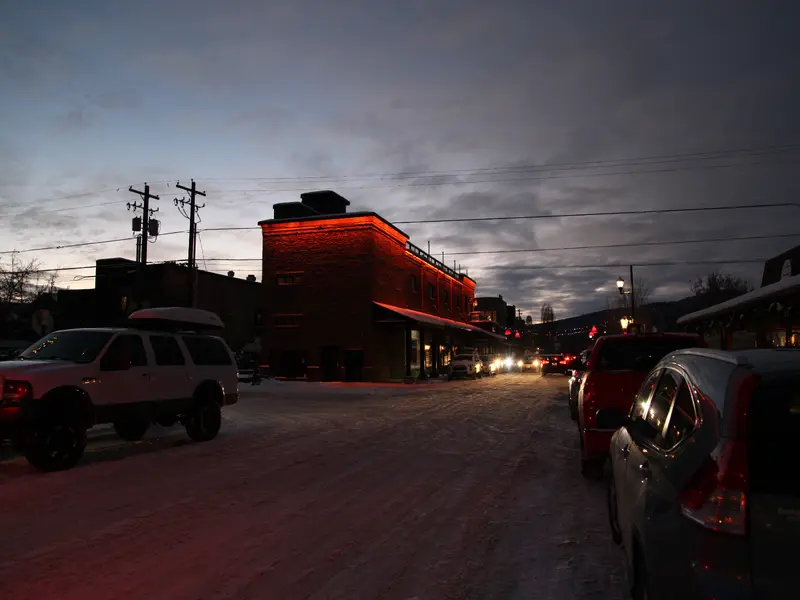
x=55 y=446
x=613 y=511
x=204 y=421
x=131 y=430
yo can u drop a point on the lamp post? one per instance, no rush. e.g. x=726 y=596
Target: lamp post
x=632 y=292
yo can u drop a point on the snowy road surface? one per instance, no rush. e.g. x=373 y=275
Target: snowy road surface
x=465 y=490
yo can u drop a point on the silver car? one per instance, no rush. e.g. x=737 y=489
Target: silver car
x=705 y=487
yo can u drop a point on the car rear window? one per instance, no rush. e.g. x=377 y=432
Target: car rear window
x=774 y=427
x=639 y=354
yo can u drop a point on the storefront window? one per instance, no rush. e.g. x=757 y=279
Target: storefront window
x=414 y=349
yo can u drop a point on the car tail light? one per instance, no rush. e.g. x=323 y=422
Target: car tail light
x=14 y=391
x=716 y=497
x=589 y=406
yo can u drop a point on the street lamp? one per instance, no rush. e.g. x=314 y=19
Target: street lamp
x=624 y=322
x=632 y=292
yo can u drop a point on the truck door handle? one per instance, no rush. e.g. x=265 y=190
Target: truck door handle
x=644 y=470
x=626 y=451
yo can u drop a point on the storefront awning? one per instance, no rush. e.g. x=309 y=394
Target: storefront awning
x=434 y=321
x=790 y=286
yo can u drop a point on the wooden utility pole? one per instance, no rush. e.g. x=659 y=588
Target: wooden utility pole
x=192 y=255
x=147 y=212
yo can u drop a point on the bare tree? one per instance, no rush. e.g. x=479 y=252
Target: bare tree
x=718 y=287
x=22 y=281
x=547 y=314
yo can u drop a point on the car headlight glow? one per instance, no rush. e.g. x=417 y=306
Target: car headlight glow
x=536 y=363
x=520 y=363
x=509 y=363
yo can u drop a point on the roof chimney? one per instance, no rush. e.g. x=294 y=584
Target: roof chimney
x=325 y=202
x=251 y=278
x=231 y=273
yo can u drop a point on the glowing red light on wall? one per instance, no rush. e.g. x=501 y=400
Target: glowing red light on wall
x=516 y=335
x=508 y=332
x=593 y=332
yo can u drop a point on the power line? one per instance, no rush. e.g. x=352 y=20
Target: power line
x=507 y=170
x=632 y=245
x=478 y=219
x=588 y=247
x=626 y=264
x=684 y=263
x=80 y=245
x=653 y=211
x=632 y=161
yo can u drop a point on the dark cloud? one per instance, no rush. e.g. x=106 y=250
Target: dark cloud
x=435 y=101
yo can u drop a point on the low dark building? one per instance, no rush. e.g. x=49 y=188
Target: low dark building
x=767 y=317
x=121 y=288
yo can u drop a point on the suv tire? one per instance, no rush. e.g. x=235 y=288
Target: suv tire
x=55 y=446
x=204 y=420
x=131 y=430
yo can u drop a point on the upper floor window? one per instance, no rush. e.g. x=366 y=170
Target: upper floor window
x=457 y=301
x=288 y=278
x=431 y=291
x=445 y=296
x=414 y=284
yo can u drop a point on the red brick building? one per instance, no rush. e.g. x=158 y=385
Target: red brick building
x=347 y=297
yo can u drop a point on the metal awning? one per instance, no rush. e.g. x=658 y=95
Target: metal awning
x=789 y=286
x=434 y=321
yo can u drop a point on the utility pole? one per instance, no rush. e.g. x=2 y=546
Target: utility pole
x=193 y=208
x=147 y=212
x=633 y=297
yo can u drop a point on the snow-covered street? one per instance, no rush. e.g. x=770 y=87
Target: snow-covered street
x=462 y=490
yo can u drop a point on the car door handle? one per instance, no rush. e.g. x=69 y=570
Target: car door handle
x=644 y=470
x=626 y=451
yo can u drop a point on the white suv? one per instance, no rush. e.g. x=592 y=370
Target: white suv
x=161 y=369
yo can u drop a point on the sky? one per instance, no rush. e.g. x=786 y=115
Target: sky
x=416 y=110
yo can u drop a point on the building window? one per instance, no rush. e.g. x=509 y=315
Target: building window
x=446 y=296
x=288 y=278
x=414 y=284
x=287 y=320
x=457 y=301
x=431 y=291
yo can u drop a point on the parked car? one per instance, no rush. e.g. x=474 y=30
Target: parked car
x=575 y=383
x=705 y=487
x=614 y=373
x=467 y=364
x=153 y=371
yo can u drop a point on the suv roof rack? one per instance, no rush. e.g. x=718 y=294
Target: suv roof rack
x=175 y=318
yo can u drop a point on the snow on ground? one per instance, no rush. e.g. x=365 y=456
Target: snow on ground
x=466 y=490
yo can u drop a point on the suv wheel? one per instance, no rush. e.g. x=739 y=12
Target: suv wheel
x=204 y=421
x=55 y=446
x=131 y=430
